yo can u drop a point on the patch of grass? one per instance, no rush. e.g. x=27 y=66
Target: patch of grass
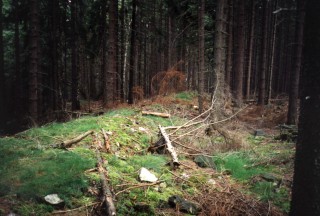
x=31 y=173
x=27 y=209
x=186 y=95
x=237 y=164
x=269 y=191
x=262 y=158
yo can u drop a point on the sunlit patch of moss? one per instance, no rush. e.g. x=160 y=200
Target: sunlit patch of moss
x=154 y=162
x=186 y=95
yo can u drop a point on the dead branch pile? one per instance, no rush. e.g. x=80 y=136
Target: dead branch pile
x=192 y=127
x=170 y=81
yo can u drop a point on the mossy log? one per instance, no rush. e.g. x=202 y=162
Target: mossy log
x=107 y=195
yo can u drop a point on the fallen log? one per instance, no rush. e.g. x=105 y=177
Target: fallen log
x=68 y=143
x=163 y=115
x=106 y=140
x=169 y=146
x=107 y=195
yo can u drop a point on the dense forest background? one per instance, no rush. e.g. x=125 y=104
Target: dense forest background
x=58 y=56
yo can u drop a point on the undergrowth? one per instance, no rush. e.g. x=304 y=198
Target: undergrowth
x=31 y=169
x=258 y=160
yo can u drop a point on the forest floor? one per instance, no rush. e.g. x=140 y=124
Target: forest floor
x=240 y=167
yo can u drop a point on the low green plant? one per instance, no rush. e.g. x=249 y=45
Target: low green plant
x=237 y=163
x=268 y=191
x=186 y=95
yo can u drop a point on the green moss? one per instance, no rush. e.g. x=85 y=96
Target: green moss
x=27 y=209
x=187 y=95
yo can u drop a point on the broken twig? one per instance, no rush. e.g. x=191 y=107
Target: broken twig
x=69 y=143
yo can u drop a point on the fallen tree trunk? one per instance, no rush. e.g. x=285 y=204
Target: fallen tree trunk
x=163 y=115
x=107 y=195
x=170 y=147
x=69 y=143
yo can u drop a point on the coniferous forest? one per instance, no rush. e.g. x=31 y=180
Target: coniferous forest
x=136 y=83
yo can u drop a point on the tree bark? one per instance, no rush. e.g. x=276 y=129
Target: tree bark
x=263 y=57
x=306 y=187
x=74 y=57
x=34 y=61
x=2 y=79
x=111 y=73
x=219 y=52
x=229 y=59
x=132 y=52
x=201 y=55
x=294 y=85
x=239 y=64
x=251 y=50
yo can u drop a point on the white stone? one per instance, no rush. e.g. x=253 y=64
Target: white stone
x=53 y=199
x=146 y=175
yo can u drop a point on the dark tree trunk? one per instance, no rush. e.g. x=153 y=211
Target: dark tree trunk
x=294 y=85
x=251 y=50
x=219 y=51
x=34 y=61
x=263 y=57
x=229 y=59
x=201 y=55
x=132 y=52
x=306 y=181
x=122 y=49
x=111 y=73
x=2 y=80
x=54 y=36
x=74 y=57
x=239 y=61
x=103 y=36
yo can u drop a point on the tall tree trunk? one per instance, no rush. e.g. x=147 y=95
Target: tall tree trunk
x=34 y=61
x=306 y=187
x=132 y=52
x=103 y=36
x=272 y=55
x=54 y=36
x=2 y=80
x=17 y=89
x=201 y=55
x=219 y=51
x=251 y=50
x=294 y=85
x=111 y=75
x=239 y=64
x=263 y=57
x=122 y=49
x=74 y=57
x=229 y=59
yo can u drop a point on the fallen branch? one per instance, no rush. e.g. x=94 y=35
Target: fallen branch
x=69 y=143
x=137 y=186
x=107 y=195
x=106 y=140
x=169 y=145
x=212 y=123
x=163 y=115
x=76 y=209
